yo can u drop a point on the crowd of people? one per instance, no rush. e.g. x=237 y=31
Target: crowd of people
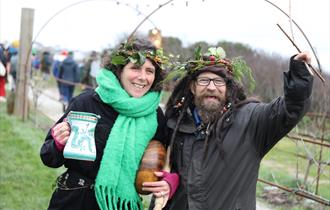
x=215 y=135
x=62 y=65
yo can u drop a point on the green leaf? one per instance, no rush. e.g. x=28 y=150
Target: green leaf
x=133 y=60
x=160 y=52
x=211 y=51
x=240 y=70
x=198 y=54
x=118 y=60
x=176 y=74
x=220 y=53
x=141 y=59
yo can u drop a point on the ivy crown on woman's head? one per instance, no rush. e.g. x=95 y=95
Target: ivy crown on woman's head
x=127 y=52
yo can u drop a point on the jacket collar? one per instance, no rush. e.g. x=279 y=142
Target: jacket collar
x=187 y=124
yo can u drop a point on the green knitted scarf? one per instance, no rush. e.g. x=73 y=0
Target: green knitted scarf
x=134 y=127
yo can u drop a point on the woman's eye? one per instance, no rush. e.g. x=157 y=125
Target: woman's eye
x=150 y=71
x=135 y=68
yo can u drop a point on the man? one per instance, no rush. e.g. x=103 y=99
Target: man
x=90 y=70
x=69 y=75
x=45 y=65
x=219 y=136
x=58 y=59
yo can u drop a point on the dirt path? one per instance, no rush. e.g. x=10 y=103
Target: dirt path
x=49 y=104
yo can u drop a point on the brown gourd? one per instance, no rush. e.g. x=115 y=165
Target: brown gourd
x=153 y=160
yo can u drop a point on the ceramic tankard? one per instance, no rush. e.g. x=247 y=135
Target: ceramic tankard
x=81 y=143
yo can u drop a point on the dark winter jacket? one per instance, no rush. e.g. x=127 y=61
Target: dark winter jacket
x=229 y=182
x=69 y=70
x=81 y=197
x=46 y=63
x=86 y=78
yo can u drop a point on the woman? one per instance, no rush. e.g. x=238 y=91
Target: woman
x=126 y=100
x=4 y=65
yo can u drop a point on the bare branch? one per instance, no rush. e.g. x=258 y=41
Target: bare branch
x=155 y=10
x=308 y=65
x=309 y=43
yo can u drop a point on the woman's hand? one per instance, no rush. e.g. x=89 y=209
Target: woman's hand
x=160 y=189
x=61 y=132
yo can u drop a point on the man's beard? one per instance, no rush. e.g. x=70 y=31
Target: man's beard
x=209 y=111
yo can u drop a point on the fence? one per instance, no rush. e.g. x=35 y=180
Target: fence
x=312 y=136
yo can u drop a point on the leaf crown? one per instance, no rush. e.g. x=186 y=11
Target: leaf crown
x=128 y=53
x=235 y=67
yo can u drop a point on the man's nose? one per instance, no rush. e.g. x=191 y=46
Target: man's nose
x=211 y=86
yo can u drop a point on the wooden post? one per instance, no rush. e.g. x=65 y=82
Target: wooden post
x=24 y=63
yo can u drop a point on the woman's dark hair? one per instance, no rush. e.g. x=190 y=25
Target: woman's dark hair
x=138 y=45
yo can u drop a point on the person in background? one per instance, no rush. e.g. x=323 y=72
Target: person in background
x=3 y=76
x=95 y=68
x=13 y=50
x=45 y=65
x=219 y=135
x=35 y=62
x=126 y=99
x=89 y=79
x=69 y=75
x=58 y=59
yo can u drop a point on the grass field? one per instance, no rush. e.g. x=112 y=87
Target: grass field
x=281 y=166
x=25 y=183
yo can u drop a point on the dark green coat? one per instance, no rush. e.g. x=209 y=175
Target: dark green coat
x=227 y=183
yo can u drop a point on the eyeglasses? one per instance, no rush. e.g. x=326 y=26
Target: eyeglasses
x=204 y=81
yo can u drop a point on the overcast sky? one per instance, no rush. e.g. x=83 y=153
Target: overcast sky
x=93 y=25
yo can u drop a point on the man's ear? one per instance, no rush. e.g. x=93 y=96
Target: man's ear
x=192 y=87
